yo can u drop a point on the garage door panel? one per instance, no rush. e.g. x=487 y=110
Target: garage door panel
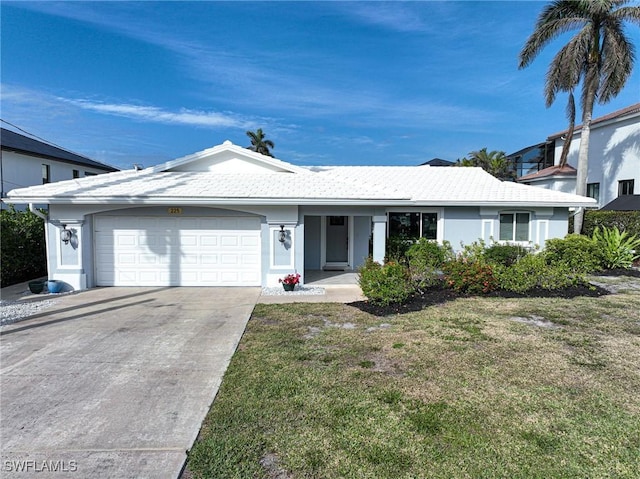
x=193 y=251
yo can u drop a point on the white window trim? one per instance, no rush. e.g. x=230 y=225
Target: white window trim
x=513 y=241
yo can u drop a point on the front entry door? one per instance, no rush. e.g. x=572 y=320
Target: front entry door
x=337 y=240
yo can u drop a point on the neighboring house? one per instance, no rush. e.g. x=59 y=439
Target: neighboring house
x=227 y=216
x=438 y=162
x=614 y=158
x=25 y=161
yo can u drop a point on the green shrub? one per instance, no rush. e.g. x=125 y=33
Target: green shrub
x=22 y=246
x=533 y=271
x=580 y=253
x=473 y=252
x=618 y=250
x=628 y=221
x=385 y=284
x=465 y=276
x=396 y=248
x=504 y=254
x=425 y=259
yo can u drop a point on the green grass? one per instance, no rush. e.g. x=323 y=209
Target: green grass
x=458 y=390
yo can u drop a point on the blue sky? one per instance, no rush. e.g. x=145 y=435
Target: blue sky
x=329 y=82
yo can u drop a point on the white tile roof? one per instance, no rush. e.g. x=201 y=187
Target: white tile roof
x=392 y=185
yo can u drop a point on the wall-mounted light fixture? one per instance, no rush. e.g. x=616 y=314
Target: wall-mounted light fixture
x=282 y=234
x=65 y=234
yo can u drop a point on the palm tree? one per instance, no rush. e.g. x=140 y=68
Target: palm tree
x=493 y=162
x=259 y=144
x=599 y=55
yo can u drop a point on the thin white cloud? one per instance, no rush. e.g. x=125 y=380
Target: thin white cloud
x=158 y=115
x=392 y=16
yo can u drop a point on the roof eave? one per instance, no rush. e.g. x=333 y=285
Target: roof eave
x=142 y=200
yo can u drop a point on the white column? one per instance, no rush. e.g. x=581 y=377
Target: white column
x=379 y=237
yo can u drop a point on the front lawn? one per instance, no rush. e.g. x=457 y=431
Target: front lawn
x=479 y=387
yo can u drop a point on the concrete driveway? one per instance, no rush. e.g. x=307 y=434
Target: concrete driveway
x=115 y=382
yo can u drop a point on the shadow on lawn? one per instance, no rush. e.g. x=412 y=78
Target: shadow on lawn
x=434 y=297
x=634 y=273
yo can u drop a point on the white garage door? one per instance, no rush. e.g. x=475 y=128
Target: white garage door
x=177 y=251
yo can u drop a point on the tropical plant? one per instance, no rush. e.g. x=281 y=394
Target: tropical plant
x=493 y=162
x=600 y=55
x=259 y=143
x=618 y=250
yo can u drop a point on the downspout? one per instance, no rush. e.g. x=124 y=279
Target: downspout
x=44 y=217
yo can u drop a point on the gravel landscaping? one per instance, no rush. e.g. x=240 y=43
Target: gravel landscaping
x=299 y=291
x=14 y=311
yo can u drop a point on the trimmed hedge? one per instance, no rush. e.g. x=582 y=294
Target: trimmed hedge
x=628 y=221
x=22 y=246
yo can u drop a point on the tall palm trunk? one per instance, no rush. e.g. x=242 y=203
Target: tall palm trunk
x=590 y=91
x=571 y=115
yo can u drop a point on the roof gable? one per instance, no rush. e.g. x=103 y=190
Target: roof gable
x=227 y=158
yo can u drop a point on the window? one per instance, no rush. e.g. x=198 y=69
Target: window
x=76 y=174
x=625 y=187
x=593 y=191
x=46 y=174
x=413 y=225
x=514 y=227
x=88 y=173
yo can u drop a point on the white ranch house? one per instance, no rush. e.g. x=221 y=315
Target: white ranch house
x=227 y=216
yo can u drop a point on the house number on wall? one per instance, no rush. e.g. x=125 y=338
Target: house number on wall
x=175 y=211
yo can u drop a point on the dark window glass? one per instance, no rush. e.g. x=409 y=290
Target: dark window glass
x=625 y=187
x=76 y=174
x=506 y=227
x=514 y=227
x=430 y=225
x=46 y=174
x=404 y=225
x=593 y=191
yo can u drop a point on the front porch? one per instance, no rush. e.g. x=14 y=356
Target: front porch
x=330 y=278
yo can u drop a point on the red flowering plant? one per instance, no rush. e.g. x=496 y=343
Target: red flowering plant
x=290 y=279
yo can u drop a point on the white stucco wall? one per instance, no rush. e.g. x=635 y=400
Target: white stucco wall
x=20 y=170
x=614 y=155
x=74 y=263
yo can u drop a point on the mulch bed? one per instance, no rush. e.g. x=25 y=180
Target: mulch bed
x=434 y=297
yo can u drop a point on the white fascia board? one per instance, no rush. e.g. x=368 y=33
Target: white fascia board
x=587 y=202
x=134 y=201
x=511 y=204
